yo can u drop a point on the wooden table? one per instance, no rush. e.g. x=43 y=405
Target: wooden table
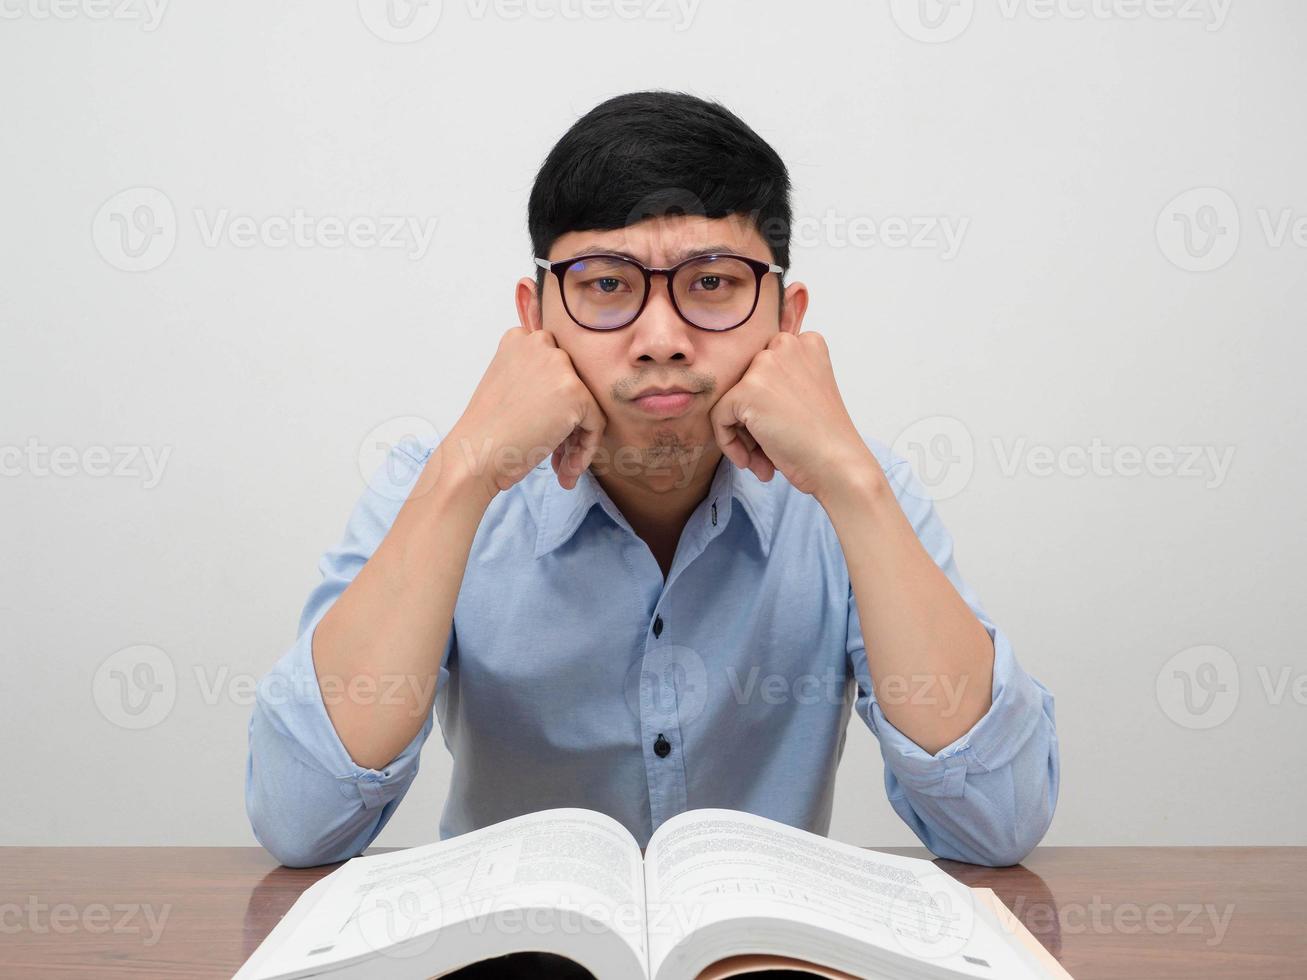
x=185 y=912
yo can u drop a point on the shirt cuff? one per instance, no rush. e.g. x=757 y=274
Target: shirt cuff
x=291 y=699
x=1018 y=702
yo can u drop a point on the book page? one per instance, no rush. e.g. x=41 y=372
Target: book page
x=707 y=866
x=742 y=966
x=580 y=862
x=1014 y=927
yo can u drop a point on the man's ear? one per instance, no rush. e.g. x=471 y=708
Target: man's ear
x=529 y=314
x=796 y=304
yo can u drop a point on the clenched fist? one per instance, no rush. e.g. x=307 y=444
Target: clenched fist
x=529 y=404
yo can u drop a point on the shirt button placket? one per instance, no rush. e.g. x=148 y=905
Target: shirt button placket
x=661 y=725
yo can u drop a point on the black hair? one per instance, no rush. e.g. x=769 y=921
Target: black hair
x=654 y=153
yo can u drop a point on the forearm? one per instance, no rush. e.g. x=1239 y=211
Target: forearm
x=929 y=657
x=376 y=652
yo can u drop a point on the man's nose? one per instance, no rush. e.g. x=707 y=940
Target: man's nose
x=659 y=332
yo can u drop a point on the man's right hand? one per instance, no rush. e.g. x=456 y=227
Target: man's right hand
x=530 y=404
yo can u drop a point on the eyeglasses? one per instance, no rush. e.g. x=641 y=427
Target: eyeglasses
x=712 y=292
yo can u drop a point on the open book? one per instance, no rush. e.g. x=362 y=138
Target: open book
x=718 y=893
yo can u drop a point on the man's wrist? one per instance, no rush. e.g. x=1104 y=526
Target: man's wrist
x=452 y=477
x=857 y=481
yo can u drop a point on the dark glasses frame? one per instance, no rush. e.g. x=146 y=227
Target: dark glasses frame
x=760 y=269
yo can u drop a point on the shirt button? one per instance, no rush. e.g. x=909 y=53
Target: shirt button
x=658 y=626
x=661 y=746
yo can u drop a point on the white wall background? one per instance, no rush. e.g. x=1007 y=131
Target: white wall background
x=1073 y=313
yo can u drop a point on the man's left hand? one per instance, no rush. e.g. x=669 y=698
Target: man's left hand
x=786 y=414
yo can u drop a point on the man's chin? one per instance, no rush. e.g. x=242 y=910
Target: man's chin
x=661 y=449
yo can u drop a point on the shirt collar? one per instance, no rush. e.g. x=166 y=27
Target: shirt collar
x=560 y=512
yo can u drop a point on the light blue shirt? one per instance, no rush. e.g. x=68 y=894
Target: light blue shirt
x=574 y=675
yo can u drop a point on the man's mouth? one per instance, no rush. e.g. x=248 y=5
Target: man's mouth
x=665 y=403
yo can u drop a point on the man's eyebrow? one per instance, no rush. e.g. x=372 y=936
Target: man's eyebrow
x=676 y=257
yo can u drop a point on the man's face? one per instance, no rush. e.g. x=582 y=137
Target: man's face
x=661 y=446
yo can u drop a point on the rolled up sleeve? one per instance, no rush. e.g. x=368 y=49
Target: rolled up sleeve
x=307 y=800
x=988 y=797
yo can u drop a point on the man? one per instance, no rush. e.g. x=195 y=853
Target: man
x=682 y=606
